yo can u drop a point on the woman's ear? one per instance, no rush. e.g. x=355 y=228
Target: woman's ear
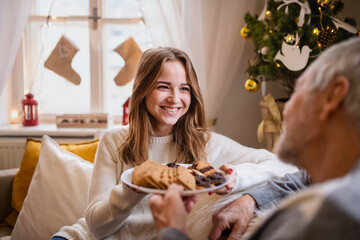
x=335 y=93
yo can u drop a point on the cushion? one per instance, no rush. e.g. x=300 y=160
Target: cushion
x=30 y=159
x=57 y=195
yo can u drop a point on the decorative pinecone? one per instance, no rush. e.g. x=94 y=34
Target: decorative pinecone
x=326 y=37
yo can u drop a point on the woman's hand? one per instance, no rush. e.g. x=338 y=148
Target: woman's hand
x=134 y=189
x=231 y=176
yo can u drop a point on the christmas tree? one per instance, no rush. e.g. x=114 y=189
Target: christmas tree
x=288 y=35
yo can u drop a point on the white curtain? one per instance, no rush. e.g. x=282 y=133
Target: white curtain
x=209 y=32
x=13 y=18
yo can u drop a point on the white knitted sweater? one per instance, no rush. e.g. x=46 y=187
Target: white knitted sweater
x=116 y=212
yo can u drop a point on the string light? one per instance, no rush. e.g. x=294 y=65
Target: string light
x=316 y=31
x=290 y=38
x=39 y=61
x=14 y=116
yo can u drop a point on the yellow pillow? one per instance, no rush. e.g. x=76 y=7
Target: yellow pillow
x=30 y=159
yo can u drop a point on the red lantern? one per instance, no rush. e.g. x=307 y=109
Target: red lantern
x=126 y=110
x=30 y=113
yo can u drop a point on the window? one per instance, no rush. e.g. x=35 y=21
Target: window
x=96 y=28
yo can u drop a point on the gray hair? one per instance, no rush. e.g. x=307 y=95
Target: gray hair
x=342 y=59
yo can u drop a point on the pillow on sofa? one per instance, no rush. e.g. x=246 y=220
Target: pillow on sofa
x=57 y=194
x=30 y=159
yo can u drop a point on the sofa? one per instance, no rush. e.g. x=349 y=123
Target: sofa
x=6 y=183
x=48 y=191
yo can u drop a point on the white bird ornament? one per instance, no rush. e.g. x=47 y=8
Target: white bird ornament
x=292 y=57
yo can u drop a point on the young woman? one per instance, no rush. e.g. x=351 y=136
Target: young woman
x=166 y=124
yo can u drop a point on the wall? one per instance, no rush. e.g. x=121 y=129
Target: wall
x=240 y=115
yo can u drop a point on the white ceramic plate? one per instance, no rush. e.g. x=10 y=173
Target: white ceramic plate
x=127 y=175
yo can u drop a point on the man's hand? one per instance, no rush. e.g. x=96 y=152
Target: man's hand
x=171 y=210
x=235 y=216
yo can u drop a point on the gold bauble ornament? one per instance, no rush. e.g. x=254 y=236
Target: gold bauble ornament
x=268 y=14
x=244 y=32
x=252 y=85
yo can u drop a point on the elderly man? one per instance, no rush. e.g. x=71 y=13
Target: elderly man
x=322 y=136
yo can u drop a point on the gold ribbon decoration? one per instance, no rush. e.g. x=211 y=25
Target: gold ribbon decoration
x=272 y=123
x=211 y=122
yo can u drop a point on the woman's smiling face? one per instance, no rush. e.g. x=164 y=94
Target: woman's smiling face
x=170 y=99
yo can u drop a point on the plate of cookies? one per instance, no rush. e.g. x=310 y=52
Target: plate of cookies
x=154 y=177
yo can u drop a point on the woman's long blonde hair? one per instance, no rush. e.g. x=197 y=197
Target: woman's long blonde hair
x=190 y=131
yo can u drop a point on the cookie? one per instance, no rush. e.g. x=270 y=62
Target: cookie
x=153 y=177
x=139 y=172
x=217 y=178
x=165 y=181
x=186 y=179
x=206 y=176
x=205 y=168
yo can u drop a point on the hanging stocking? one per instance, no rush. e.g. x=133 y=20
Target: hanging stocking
x=60 y=60
x=131 y=53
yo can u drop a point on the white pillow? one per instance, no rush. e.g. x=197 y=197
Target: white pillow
x=57 y=194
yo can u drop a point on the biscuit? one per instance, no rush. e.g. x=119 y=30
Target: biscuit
x=140 y=171
x=206 y=176
x=165 y=179
x=202 y=164
x=205 y=168
x=186 y=179
x=217 y=178
x=155 y=175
